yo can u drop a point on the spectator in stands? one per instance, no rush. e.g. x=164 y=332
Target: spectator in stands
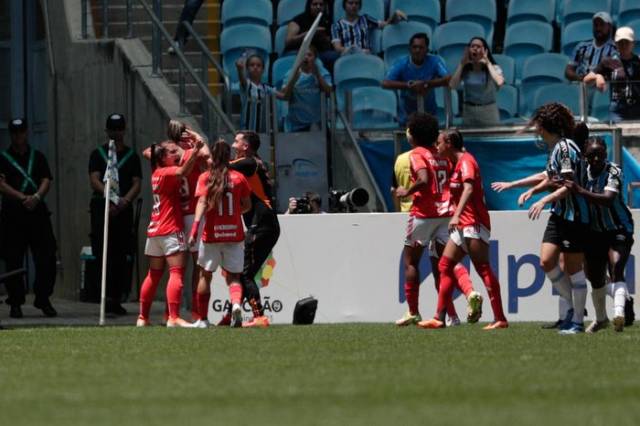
x=623 y=70
x=351 y=33
x=189 y=12
x=302 y=90
x=482 y=78
x=588 y=54
x=415 y=75
x=297 y=30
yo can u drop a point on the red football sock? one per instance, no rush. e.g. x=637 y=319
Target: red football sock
x=174 y=291
x=451 y=309
x=195 y=310
x=235 y=293
x=447 y=282
x=148 y=291
x=464 y=281
x=493 y=289
x=202 y=302
x=412 y=293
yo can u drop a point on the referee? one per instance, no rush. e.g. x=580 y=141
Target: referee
x=25 y=220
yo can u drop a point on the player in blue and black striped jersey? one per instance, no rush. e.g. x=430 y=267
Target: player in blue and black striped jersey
x=610 y=237
x=568 y=223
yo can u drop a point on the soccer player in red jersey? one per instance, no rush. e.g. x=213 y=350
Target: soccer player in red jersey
x=429 y=215
x=470 y=229
x=165 y=236
x=223 y=196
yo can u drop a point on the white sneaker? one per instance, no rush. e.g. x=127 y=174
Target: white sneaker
x=141 y=322
x=236 y=316
x=201 y=324
x=178 y=323
x=453 y=322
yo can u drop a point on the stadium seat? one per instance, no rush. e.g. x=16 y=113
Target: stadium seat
x=537 y=71
x=525 y=39
x=236 y=12
x=374 y=108
x=237 y=39
x=289 y=9
x=635 y=24
x=527 y=10
x=441 y=108
x=507 y=100
x=482 y=12
x=600 y=105
x=280 y=40
x=628 y=11
x=425 y=11
x=375 y=8
x=508 y=67
x=573 y=34
x=565 y=93
x=579 y=10
x=280 y=67
x=358 y=70
x=451 y=38
x=395 y=39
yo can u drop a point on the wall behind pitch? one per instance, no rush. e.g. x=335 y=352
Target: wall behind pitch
x=352 y=264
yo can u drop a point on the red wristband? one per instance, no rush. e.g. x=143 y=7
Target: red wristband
x=194 y=229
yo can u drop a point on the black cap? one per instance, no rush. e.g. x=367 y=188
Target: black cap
x=17 y=125
x=115 y=122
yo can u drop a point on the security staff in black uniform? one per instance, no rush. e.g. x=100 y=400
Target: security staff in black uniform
x=25 y=220
x=121 y=232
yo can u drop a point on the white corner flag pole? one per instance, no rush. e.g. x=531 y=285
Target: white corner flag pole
x=105 y=236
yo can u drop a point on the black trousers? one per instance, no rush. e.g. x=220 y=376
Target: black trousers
x=119 y=250
x=29 y=231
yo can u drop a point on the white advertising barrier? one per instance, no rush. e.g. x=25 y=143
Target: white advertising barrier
x=352 y=264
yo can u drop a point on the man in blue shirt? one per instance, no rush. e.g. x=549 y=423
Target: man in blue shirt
x=416 y=74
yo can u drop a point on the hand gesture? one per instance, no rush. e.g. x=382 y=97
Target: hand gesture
x=465 y=57
x=500 y=186
x=199 y=145
x=453 y=223
x=191 y=241
x=292 y=204
x=524 y=197
x=30 y=202
x=402 y=192
x=485 y=57
x=535 y=210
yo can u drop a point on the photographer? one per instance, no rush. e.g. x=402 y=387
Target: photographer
x=309 y=203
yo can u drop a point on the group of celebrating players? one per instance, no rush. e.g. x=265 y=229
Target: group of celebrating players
x=206 y=195
x=589 y=234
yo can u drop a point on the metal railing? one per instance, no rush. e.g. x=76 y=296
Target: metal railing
x=159 y=31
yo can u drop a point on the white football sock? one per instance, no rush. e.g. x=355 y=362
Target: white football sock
x=579 y=294
x=563 y=307
x=619 y=298
x=560 y=282
x=598 y=297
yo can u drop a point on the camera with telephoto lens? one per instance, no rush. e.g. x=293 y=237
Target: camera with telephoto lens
x=303 y=206
x=347 y=201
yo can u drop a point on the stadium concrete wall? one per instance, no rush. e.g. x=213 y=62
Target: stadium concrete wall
x=352 y=264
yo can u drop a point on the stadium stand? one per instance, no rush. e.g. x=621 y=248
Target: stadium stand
x=374 y=108
x=279 y=69
x=525 y=39
x=451 y=38
x=425 y=11
x=527 y=10
x=482 y=12
x=507 y=100
x=628 y=11
x=234 y=12
x=395 y=39
x=600 y=105
x=583 y=10
x=375 y=8
x=289 y=9
x=540 y=70
x=441 y=106
x=568 y=94
x=508 y=66
x=241 y=38
x=358 y=70
x=635 y=25
x=279 y=42
x=574 y=33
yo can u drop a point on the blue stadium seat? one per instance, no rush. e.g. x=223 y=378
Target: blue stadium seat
x=635 y=24
x=237 y=39
x=374 y=108
x=279 y=42
x=289 y=9
x=507 y=100
x=236 y=12
x=441 y=108
x=525 y=39
x=280 y=67
x=425 y=11
x=451 y=38
x=565 y=93
x=573 y=34
x=375 y=8
x=578 y=10
x=482 y=12
x=395 y=39
x=358 y=70
x=375 y=38
x=527 y=10
x=508 y=67
x=600 y=105
x=537 y=71
x=628 y=11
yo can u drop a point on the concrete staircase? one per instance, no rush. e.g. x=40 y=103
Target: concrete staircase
x=207 y=25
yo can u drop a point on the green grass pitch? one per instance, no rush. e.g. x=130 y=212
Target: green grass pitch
x=351 y=374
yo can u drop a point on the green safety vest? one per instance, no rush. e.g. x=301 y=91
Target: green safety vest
x=26 y=174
